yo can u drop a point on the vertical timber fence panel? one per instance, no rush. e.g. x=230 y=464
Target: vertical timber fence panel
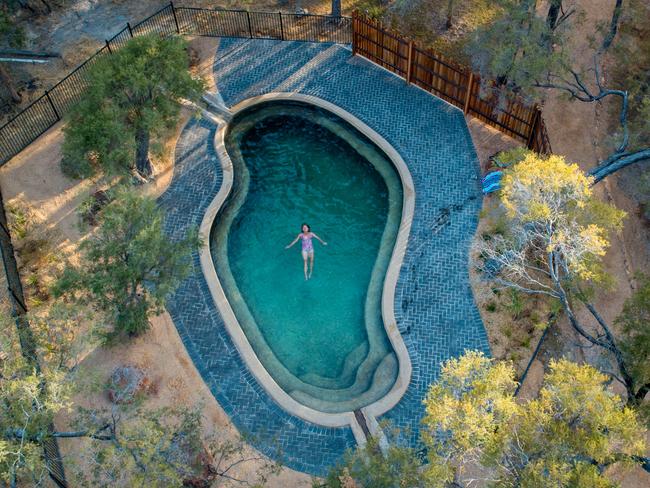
x=382 y=46
x=450 y=81
x=24 y=128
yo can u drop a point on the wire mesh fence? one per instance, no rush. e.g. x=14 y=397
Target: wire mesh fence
x=51 y=107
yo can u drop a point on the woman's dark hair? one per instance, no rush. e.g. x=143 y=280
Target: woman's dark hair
x=308 y=227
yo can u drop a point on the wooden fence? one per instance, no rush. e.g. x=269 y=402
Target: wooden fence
x=450 y=81
x=422 y=67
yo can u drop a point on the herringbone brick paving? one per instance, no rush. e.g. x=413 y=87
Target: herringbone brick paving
x=434 y=305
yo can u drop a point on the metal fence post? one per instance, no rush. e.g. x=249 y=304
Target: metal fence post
x=108 y=46
x=128 y=26
x=468 y=95
x=354 y=33
x=49 y=99
x=250 y=28
x=409 y=63
x=281 y=26
x=178 y=29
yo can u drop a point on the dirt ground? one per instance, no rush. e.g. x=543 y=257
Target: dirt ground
x=176 y=382
x=576 y=131
x=33 y=180
x=32 y=183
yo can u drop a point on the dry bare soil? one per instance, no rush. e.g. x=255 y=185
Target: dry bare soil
x=33 y=184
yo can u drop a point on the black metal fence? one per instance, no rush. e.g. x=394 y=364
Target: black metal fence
x=47 y=110
x=15 y=304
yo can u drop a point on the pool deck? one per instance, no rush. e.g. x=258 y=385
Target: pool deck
x=434 y=306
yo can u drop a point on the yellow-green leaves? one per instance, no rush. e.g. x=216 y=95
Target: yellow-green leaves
x=475 y=426
x=537 y=187
x=478 y=389
x=553 y=201
x=29 y=400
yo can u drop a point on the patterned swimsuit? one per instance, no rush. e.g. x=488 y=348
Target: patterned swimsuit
x=307 y=245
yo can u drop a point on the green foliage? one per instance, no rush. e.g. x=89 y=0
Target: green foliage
x=443 y=25
x=632 y=68
x=30 y=397
x=374 y=9
x=156 y=448
x=517 y=48
x=563 y=438
x=11 y=34
x=129 y=265
x=634 y=321
x=131 y=96
x=162 y=448
x=515 y=304
x=505 y=159
x=20 y=222
x=397 y=466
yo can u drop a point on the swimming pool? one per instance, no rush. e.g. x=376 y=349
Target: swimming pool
x=323 y=341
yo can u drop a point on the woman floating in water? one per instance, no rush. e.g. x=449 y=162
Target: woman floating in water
x=306 y=235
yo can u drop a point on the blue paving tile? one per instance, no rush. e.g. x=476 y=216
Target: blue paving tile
x=434 y=306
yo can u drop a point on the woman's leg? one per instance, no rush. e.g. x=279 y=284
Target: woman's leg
x=311 y=259
x=304 y=259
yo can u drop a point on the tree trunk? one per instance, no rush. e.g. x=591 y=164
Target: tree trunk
x=613 y=26
x=450 y=14
x=555 y=6
x=336 y=8
x=9 y=83
x=613 y=164
x=142 y=163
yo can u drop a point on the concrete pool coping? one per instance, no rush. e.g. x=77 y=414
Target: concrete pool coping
x=240 y=340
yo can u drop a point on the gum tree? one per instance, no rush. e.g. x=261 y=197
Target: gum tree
x=129 y=265
x=476 y=430
x=557 y=234
x=33 y=390
x=336 y=8
x=634 y=321
x=122 y=446
x=525 y=51
x=132 y=95
x=518 y=46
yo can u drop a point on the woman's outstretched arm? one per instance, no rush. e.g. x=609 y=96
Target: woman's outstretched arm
x=321 y=240
x=294 y=241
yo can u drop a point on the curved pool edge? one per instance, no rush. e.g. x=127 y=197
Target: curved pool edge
x=240 y=340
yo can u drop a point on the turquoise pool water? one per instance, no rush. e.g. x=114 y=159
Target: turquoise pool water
x=322 y=340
